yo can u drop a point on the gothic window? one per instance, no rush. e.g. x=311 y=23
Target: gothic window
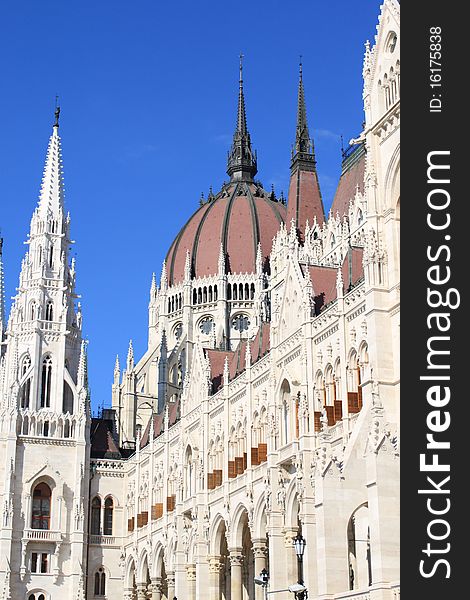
x=67 y=401
x=252 y=291
x=26 y=387
x=229 y=292
x=108 y=516
x=206 y=325
x=46 y=382
x=391 y=42
x=32 y=310
x=96 y=516
x=240 y=323
x=41 y=515
x=100 y=582
x=360 y=217
x=194 y=297
x=215 y=293
x=37 y=596
x=51 y=257
x=49 y=311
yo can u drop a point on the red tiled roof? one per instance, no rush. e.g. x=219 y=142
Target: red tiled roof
x=351 y=178
x=237 y=358
x=304 y=200
x=103 y=444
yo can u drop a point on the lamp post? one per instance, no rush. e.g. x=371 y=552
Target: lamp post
x=299 y=545
x=263 y=579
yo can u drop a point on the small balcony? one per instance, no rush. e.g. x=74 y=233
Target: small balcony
x=42 y=535
x=103 y=540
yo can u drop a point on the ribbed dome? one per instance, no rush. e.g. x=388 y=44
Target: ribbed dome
x=239 y=217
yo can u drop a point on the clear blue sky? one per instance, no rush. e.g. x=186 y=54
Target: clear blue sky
x=148 y=92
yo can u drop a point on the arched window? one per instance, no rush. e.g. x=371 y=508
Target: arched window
x=100 y=582
x=96 y=516
x=194 y=297
x=67 y=400
x=359 y=550
x=37 y=596
x=51 y=257
x=41 y=515
x=32 y=310
x=46 y=382
x=26 y=387
x=108 y=516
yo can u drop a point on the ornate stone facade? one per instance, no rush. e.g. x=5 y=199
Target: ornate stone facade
x=266 y=404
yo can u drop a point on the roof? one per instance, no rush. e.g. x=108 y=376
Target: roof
x=352 y=178
x=259 y=346
x=238 y=218
x=324 y=278
x=103 y=444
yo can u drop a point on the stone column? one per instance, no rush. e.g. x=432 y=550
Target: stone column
x=128 y=594
x=156 y=588
x=215 y=566
x=170 y=577
x=260 y=552
x=236 y=580
x=191 y=577
x=141 y=591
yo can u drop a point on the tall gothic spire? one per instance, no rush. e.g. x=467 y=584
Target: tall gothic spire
x=303 y=148
x=304 y=201
x=242 y=163
x=51 y=196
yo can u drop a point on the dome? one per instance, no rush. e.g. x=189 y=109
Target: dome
x=241 y=216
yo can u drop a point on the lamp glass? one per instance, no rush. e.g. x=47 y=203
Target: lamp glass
x=299 y=544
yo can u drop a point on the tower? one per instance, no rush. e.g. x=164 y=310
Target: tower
x=44 y=407
x=304 y=201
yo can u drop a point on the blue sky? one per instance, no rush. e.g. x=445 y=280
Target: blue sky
x=148 y=92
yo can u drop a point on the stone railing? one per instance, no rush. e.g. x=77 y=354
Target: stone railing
x=42 y=535
x=103 y=540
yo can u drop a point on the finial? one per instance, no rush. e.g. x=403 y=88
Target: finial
x=241 y=68
x=300 y=66
x=57 y=111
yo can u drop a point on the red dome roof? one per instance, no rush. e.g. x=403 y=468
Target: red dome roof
x=240 y=216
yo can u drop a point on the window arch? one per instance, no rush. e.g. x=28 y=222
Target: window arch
x=32 y=310
x=67 y=399
x=26 y=387
x=108 y=516
x=46 y=377
x=41 y=514
x=95 y=516
x=100 y=582
x=38 y=595
x=359 y=549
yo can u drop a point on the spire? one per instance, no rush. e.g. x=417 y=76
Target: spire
x=187 y=267
x=242 y=164
x=130 y=358
x=2 y=293
x=164 y=278
x=221 y=260
x=51 y=196
x=153 y=288
x=82 y=376
x=304 y=199
x=303 y=143
x=117 y=370
x=303 y=147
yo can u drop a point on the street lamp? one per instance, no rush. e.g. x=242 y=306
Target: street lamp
x=263 y=579
x=299 y=545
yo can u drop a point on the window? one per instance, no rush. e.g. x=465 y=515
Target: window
x=39 y=562
x=49 y=312
x=26 y=387
x=37 y=596
x=100 y=582
x=46 y=382
x=108 y=517
x=41 y=515
x=96 y=516
x=241 y=323
x=206 y=325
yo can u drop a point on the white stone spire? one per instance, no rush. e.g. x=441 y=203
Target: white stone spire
x=153 y=288
x=164 y=278
x=82 y=367
x=130 y=358
x=51 y=196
